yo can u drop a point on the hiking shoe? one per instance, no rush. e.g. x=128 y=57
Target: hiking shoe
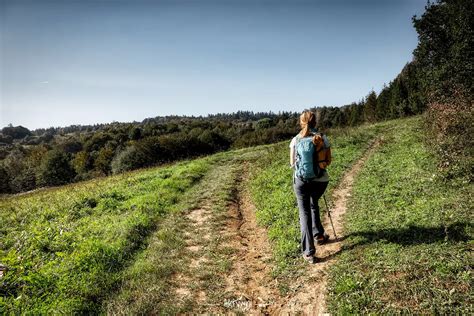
x=322 y=239
x=310 y=258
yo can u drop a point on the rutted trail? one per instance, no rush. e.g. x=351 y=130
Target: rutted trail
x=311 y=296
x=250 y=278
x=256 y=292
x=221 y=260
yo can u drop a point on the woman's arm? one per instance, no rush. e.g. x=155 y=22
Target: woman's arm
x=292 y=152
x=292 y=156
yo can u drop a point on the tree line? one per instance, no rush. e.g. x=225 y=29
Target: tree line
x=438 y=79
x=31 y=159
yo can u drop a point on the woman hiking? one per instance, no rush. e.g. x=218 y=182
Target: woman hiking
x=310 y=180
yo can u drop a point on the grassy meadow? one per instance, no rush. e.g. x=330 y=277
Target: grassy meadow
x=118 y=245
x=409 y=235
x=114 y=244
x=65 y=247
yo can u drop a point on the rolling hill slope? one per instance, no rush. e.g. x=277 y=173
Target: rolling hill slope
x=220 y=234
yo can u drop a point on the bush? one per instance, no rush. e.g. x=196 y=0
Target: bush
x=16 y=132
x=55 y=169
x=7 y=139
x=5 y=183
x=20 y=174
x=81 y=162
x=104 y=158
x=213 y=139
x=175 y=146
x=23 y=181
x=135 y=133
x=71 y=146
x=450 y=134
x=128 y=159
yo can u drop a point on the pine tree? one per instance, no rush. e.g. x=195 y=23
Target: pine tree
x=382 y=104
x=370 y=107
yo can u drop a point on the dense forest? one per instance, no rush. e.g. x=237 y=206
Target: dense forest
x=438 y=80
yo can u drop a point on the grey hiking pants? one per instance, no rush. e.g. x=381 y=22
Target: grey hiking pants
x=307 y=194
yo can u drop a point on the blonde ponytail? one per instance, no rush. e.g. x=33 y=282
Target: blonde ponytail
x=307 y=121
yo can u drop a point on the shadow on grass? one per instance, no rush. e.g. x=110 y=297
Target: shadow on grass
x=409 y=236
x=415 y=235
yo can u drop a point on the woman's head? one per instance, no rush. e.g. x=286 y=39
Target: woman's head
x=307 y=121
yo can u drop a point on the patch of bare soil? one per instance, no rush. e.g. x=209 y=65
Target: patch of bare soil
x=250 y=277
x=198 y=219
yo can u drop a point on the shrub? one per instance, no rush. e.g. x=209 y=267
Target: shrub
x=20 y=172
x=81 y=162
x=450 y=128
x=16 y=132
x=174 y=146
x=71 y=146
x=5 y=183
x=55 y=169
x=128 y=159
x=104 y=158
x=215 y=140
x=23 y=181
x=7 y=139
x=135 y=133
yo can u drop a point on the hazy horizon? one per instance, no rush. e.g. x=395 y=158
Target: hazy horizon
x=91 y=62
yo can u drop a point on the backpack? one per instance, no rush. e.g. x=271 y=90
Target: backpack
x=311 y=156
x=323 y=150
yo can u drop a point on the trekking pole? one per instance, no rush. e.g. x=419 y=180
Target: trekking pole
x=329 y=213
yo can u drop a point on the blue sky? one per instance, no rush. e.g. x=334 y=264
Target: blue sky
x=84 y=62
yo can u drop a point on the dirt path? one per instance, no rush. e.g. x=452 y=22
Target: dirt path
x=250 y=278
x=198 y=237
x=310 y=299
x=255 y=291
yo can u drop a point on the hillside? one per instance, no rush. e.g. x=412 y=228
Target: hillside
x=186 y=215
x=220 y=234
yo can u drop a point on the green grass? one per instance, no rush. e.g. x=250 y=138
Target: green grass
x=150 y=283
x=113 y=244
x=65 y=247
x=116 y=245
x=272 y=191
x=409 y=235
